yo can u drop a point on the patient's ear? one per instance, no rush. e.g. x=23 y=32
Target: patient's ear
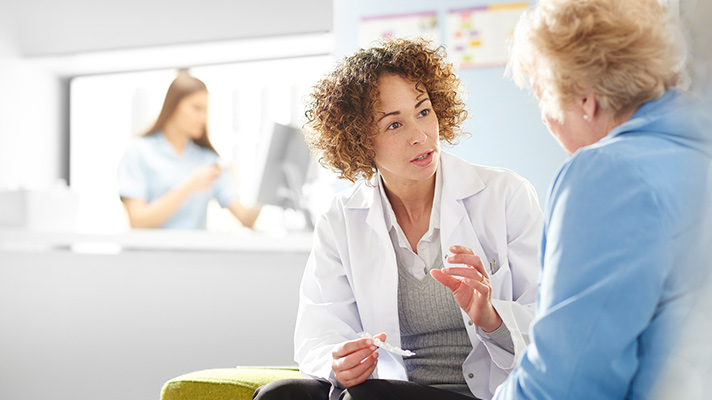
x=589 y=104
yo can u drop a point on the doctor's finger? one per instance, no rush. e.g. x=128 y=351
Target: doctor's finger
x=461 y=250
x=352 y=346
x=481 y=287
x=466 y=272
x=448 y=281
x=468 y=279
x=358 y=374
x=352 y=360
x=348 y=370
x=370 y=364
x=464 y=258
x=471 y=262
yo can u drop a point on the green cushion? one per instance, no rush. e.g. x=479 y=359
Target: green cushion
x=223 y=384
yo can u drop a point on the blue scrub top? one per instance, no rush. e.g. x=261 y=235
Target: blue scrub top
x=151 y=167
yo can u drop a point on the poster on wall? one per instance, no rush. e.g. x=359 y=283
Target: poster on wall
x=424 y=24
x=478 y=37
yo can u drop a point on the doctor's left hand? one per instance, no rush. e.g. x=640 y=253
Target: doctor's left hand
x=470 y=285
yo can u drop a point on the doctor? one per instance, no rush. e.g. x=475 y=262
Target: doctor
x=416 y=214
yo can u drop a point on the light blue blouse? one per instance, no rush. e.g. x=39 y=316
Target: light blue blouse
x=622 y=254
x=151 y=167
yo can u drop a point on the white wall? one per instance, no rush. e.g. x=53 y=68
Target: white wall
x=689 y=373
x=696 y=15
x=34 y=98
x=31 y=120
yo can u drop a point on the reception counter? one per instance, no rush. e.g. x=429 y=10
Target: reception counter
x=156 y=239
x=113 y=316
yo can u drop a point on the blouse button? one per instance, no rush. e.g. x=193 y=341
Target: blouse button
x=470 y=375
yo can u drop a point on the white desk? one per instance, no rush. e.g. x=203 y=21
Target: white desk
x=158 y=239
x=111 y=325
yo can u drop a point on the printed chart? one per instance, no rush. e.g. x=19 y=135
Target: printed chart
x=423 y=24
x=479 y=36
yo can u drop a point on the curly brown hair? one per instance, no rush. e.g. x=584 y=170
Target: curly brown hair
x=340 y=109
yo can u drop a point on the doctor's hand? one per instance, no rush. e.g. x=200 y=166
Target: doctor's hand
x=355 y=360
x=202 y=178
x=470 y=285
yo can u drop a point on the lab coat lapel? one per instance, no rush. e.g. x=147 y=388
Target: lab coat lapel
x=377 y=277
x=460 y=181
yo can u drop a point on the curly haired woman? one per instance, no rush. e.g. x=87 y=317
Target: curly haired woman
x=380 y=260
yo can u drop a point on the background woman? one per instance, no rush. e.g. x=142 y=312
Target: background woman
x=379 y=118
x=168 y=176
x=625 y=221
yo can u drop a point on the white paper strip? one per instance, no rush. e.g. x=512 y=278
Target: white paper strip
x=386 y=346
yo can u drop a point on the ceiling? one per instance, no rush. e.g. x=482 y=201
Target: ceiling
x=49 y=27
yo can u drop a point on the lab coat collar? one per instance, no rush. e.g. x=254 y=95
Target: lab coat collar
x=389 y=215
x=460 y=181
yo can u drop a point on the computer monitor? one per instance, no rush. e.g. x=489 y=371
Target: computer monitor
x=286 y=170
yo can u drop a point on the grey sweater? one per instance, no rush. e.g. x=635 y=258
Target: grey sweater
x=431 y=325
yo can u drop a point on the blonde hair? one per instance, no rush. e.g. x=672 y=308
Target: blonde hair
x=340 y=109
x=627 y=51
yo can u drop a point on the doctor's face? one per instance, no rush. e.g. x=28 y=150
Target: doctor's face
x=407 y=143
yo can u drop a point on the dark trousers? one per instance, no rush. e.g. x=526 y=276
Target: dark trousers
x=371 y=389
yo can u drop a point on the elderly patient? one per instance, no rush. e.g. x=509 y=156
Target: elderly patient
x=622 y=251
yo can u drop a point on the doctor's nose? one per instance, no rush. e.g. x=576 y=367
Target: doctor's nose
x=417 y=136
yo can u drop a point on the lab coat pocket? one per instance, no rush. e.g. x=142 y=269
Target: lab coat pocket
x=500 y=279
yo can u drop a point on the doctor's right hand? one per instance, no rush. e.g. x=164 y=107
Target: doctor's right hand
x=355 y=360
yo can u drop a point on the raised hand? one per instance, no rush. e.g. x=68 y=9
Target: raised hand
x=470 y=285
x=202 y=178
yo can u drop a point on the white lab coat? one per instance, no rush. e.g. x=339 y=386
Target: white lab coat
x=350 y=282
